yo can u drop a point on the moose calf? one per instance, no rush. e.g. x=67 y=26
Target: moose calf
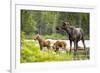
x=42 y=42
x=59 y=44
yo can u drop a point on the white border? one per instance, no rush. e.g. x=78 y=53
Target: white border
x=15 y=56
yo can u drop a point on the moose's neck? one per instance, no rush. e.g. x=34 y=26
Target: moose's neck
x=39 y=39
x=69 y=31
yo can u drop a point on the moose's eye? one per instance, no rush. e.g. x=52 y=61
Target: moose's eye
x=57 y=28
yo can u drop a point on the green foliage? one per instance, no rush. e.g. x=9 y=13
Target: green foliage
x=27 y=21
x=56 y=36
x=52 y=36
x=30 y=52
x=44 y=22
x=22 y=35
x=30 y=36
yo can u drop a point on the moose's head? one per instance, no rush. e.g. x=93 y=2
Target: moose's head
x=37 y=37
x=64 y=26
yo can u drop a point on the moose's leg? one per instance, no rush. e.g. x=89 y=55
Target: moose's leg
x=77 y=50
x=75 y=47
x=83 y=43
x=85 y=51
x=65 y=48
x=41 y=47
x=70 y=45
x=49 y=47
x=56 y=49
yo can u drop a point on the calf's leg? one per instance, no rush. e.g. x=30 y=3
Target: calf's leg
x=41 y=47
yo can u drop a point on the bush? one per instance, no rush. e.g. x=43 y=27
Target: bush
x=30 y=52
x=30 y=36
x=22 y=36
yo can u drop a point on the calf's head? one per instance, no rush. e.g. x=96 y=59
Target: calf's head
x=37 y=37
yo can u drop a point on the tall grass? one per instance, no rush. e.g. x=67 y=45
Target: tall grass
x=30 y=52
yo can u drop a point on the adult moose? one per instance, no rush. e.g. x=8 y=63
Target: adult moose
x=74 y=34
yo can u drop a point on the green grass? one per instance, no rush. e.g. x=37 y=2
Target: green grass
x=30 y=52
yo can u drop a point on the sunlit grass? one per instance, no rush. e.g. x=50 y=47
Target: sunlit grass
x=30 y=52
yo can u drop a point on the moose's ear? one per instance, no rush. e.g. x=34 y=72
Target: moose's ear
x=64 y=23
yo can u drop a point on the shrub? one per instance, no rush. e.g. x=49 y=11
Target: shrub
x=32 y=53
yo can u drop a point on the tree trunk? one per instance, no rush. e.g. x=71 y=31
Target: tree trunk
x=80 y=20
x=40 y=23
x=55 y=22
